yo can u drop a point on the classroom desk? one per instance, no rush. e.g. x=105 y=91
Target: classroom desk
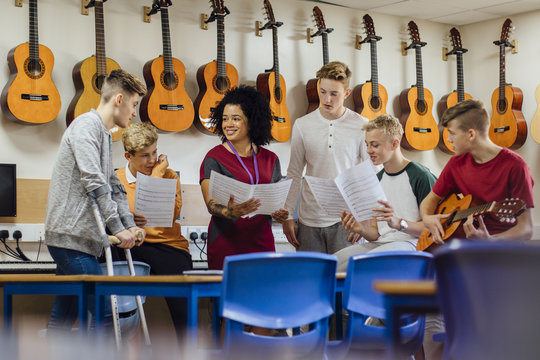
x=45 y=284
x=404 y=297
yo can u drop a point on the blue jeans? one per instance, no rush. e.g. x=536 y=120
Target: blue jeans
x=70 y=262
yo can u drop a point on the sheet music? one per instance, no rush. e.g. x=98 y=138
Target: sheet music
x=272 y=196
x=361 y=190
x=154 y=198
x=327 y=195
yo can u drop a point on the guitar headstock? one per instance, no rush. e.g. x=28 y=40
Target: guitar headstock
x=269 y=12
x=414 y=33
x=508 y=209
x=319 y=19
x=218 y=7
x=506 y=28
x=163 y=3
x=456 y=38
x=369 y=26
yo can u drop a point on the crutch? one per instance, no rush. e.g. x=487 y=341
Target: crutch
x=114 y=240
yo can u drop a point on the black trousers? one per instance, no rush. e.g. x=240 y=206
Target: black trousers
x=164 y=260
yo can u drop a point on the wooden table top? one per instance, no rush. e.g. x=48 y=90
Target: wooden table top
x=400 y=287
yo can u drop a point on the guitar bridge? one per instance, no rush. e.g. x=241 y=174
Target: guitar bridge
x=501 y=129
x=422 y=130
x=171 y=107
x=33 y=97
x=279 y=119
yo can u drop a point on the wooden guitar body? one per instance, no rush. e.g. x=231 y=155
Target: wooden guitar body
x=166 y=104
x=420 y=129
x=312 y=91
x=30 y=96
x=364 y=102
x=449 y=205
x=535 y=122
x=87 y=90
x=508 y=127
x=445 y=103
x=211 y=91
x=281 y=121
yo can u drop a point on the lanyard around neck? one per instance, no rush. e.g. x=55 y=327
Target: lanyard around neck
x=255 y=164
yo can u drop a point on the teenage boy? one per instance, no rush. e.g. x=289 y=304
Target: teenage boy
x=485 y=171
x=84 y=169
x=325 y=143
x=165 y=249
x=397 y=224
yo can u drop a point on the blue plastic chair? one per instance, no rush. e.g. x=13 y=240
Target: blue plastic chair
x=362 y=301
x=277 y=291
x=489 y=296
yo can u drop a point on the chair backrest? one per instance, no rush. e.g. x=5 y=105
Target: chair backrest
x=359 y=295
x=127 y=303
x=278 y=290
x=489 y=297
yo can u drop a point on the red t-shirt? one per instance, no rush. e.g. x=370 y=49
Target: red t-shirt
x=503 y=177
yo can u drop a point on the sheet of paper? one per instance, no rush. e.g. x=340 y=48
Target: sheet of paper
x=272 y=196
x=154 y=198
x=327 y=195
x=222 y=187
x=361 y=190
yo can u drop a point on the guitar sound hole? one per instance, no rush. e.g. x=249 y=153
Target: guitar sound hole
x=375 y=102
x=98 y=83
x=421 y=106
x=34 y=68
x=501 y=106
x=169 y=80
x=221 y=84
x=277 y=94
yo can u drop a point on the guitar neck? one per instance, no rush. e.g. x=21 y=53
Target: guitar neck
x=326 y=59
x=419 y=76
x=276 y=56
x=33 y=41
x=374 y=71
x=502 y=72
x=460 y=79
x=463 y=214
x=221 y=65
x=101 y=59
x=166 y=36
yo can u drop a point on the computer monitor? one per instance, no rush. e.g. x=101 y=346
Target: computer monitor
x=8 y=190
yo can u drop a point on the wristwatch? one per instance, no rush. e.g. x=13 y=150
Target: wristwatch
x=403 y=225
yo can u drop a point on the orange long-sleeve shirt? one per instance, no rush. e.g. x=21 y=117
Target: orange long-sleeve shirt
x=171 y=236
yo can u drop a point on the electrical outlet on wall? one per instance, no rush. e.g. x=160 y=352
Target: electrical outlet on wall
x=39 y=230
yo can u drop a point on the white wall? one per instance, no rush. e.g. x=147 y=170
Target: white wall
x=131 y=43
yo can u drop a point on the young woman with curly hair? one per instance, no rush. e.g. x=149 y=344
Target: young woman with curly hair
x=242 y=120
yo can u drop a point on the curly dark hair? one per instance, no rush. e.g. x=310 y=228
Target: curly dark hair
x=256 y=109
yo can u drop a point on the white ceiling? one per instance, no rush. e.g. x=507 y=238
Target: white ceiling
x=453 y=12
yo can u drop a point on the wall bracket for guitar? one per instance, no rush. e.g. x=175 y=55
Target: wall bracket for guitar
x=84 y=7
x=258 y=28
x=404 y=48
x=204 y=21
x=146 y=10
x=358 y=42
x=309 y=35
x=18 y=3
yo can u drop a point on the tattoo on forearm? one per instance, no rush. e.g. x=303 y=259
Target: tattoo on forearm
x=217 y=209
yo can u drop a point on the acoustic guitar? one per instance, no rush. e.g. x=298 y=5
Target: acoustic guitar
x=30 y=96
x=166 y=104
x=535 y=122
x=272 y=84
x=508 y=127
x=370 y=99
x=89 y=74
x=312 y=86
x=454 y=97
x=421 y=131
x=459 y=209
x=216 y=77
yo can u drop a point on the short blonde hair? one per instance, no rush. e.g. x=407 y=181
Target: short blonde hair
x=388 y=124
x=335 y=70
x=138 y=136
x=120 y=81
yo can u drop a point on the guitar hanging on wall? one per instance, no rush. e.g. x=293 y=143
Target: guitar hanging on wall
x=420 y=129
x=508 y=127
x=370 y=99
x=30 y=96
x=535 y=122
x=216 y=77
x=166 y=104
x=312 y=86
x=272 y=84
x=454 y=97
x=89 y=74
